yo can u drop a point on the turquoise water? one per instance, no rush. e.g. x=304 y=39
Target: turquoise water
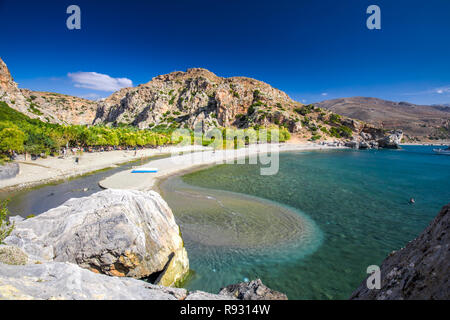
x=357 y=201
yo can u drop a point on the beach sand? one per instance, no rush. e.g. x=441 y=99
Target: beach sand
x=51 y=169
x=179 y=163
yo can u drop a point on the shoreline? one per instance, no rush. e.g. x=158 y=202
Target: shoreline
x=437 y=144
x=176 y=165
x=44 y=171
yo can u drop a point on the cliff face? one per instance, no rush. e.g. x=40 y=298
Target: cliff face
x=48 y=107
x=198 y=97
x=421 y=270
x=10 y=93
x=60 y=108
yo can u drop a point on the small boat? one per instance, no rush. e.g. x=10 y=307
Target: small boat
x=144 y=170
x=442 y=151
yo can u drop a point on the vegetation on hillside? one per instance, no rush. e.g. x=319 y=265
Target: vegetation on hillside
x=21 y=134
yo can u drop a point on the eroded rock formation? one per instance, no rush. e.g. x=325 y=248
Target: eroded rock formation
x=421 y=270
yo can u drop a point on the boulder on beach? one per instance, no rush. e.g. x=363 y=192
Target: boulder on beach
x=114 y=232
x=392 y=140
x=418 y=271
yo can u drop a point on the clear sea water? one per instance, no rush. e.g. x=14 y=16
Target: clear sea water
x=352 y=209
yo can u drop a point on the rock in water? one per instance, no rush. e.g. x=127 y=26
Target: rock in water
x=392 y=140
x=253 y=290
x=418 y=271
x=114 y=232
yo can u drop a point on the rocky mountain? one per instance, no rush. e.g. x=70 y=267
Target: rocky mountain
x=417 y=121
x=418 y=271
x=48 y=107
x=196 y=98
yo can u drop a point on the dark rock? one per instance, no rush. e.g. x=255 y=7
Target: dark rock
x=352 y=144
x=418 y=271
x=392 y=140
x=253 y=290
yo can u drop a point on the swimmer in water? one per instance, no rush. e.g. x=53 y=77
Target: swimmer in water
x=412 y=201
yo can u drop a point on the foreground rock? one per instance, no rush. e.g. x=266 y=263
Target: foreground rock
x=418 y=271
x=12 y=255
x=67 y=281
x=253 y=290
x=114 y=232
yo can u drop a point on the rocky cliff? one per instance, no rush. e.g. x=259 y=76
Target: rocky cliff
x=421 y=270
x=197 y=97
x=48 y=107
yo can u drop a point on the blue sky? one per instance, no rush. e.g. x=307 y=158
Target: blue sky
x=313 y=50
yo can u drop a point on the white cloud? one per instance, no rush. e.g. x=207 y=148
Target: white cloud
x=98 y=81
x=442 y=90
x=324 y=94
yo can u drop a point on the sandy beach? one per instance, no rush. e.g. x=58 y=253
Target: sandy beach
x=41 y=171
x=52 y=169
x=176 y=164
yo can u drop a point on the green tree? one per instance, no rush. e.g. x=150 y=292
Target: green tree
x=12 y=139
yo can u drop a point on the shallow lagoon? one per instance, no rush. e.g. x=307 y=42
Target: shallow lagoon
x=355 y=201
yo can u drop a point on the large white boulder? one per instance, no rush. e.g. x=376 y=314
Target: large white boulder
x=114 y=232
x=67 y=281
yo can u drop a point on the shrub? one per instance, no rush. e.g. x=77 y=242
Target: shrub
x=305 y=109
x=335 y=118
x=5 y=226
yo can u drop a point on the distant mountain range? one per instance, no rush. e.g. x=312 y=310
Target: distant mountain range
x=417 y=121
x=199 y=98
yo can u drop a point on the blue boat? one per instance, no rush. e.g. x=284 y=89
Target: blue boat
x=145 y=170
